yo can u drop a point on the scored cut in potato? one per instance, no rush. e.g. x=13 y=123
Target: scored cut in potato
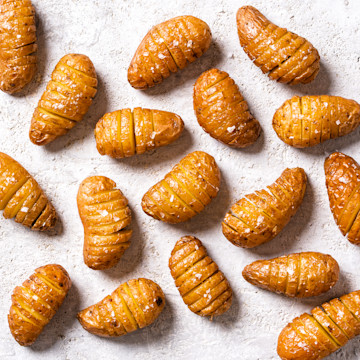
x=166 y=48
x=222 y=111
x=125 y=133
x=258 y=217
x=327 y=329
x=283 y=55
x=203 y=287
x=296 y=275
x=133 y=305
x=310 y=120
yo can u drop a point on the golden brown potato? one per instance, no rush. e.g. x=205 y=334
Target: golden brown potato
x=133 y=305
x=258 y=217
x=343 y=185
x=310 y=120
x=36 y=301
x=222 y=111
x=203 y=287
x=125 y=133
x=22 y=198
x=313 y=337
x=166 y=48
x=283 y=55
x=296 y=275
x=185 y=190
x=18 y=60
x=105 y=215
x=66 y=100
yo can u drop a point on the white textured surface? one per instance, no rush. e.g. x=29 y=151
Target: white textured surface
x=108 y=31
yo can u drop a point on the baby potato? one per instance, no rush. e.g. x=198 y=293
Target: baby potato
x=166 y=48
x=283 y=55
x=66 y=100
x=310 y=120
x=222 y=111
x=203 y=287
x=133 y=305
x=185 y=190
x=36 y=301
x=258 y=217
x=296 y=275
x=22 y=198
x=125 y=133
x=105 y=215
x=328 y=328
x=18 y=59
x=342 y=175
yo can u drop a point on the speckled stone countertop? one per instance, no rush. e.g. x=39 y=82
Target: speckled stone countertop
x=109 y=31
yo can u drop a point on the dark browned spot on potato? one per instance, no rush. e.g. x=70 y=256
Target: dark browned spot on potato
x=159 y=301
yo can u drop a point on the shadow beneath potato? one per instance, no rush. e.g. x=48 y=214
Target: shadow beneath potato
x=190 y=73
x=62 y=321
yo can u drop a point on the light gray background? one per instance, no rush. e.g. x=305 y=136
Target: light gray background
x=109 y=31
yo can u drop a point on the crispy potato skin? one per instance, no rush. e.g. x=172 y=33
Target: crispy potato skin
x=166 y=48
x=185 y=190
x=328 y=328
x=310 y=120
x=36 y=301
x=22 y=198
x=222 y=111
x=18 y=59
x=105 y=215
x=125 y=133
x=133 y=305
x=66 y=100
x=283 y=55
x=258 y=217
x=203 y=287
x=342 y=175
x=296 y=275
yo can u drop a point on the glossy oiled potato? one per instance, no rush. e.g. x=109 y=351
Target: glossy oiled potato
x=310 y=120
x=22 y=198
x=296 y=275
x=222 y=111
x=166 y=48
x=185 y=190
x=133 y=305
x=203 y=287
x=260 y=216
x=105 y=215
x=283 y=55
x=36 y=301
x=18 y=47
x=343 y=185
x=66 y=100
x=327 y=329
x=125 y=133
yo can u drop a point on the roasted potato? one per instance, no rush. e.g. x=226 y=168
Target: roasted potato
x=310 y=120
x=222 y=111
x=313 y=337
x=203 y=287
x=343 y=186
x=283 y=55
x=36 y=301
x=185 y=190
x=105 y=215
x=258 y=217
x=166 y=48
x=125 y=133
x=296 y=275
x=66 y=100
x=133 y=305
x=18 y=59
x=22 y=198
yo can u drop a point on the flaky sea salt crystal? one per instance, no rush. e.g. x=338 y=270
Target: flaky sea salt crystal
x=337 y=122
x=153 y=134
x=161 y=56
x=103 y=212
x=24 y=209
x=175 y=43
x=230 y=129
x=198 y=276
x=172 y=198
